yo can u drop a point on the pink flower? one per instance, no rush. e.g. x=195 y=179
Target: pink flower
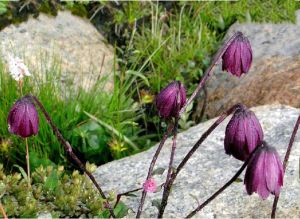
x=149 y=185
x=264 y=174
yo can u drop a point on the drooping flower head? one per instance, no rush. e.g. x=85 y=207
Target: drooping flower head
x=243 y=133
x=17 y=68
x=23 y=118
x=264 y=174
x=237 y=58
x=171 y=99
x=150 y=185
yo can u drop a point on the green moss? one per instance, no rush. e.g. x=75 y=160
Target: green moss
x=53 y=191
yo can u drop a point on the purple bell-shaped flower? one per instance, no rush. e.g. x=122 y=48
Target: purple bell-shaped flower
x=171 y=99
x=237 y=58
x=243 y=134
x=264 y=174
x=23 y=118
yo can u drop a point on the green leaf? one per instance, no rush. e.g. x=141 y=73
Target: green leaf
x=52 y=181
x=121 y=210
x=21 y=170
x=130 y=195
x=3 y=7
x=156 y=203
x=238 y=180
x=158 y=171
x=140 y=75
x=35 y=161
x=195 y=197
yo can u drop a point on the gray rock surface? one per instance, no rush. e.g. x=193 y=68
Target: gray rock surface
x=65 y=39
x=208 y=170
x=273 y=76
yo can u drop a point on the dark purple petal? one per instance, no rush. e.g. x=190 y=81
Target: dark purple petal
x=171 y=99
x=237 y=58
x=247 y=57
x=23 y=118
x=264 y=174
x=241 y=135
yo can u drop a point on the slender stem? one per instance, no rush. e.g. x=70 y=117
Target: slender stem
x=69 y=150
x=124 y=194
x=172 y=151
x=151 y=167
x=285 y=162
x=28 y=164
x=167 y=190
x=21 y=87
x=207 y=73
x=119 y=196
x=226 y=185
x=3 y=212
x=171 y=158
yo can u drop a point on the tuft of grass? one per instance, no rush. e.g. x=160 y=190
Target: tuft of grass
x=69 y=108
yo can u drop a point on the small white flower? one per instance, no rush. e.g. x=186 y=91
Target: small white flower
x=17 y=68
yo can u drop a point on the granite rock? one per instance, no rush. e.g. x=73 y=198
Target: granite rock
x=273 y=76
x=208 y=170
x=66 y=40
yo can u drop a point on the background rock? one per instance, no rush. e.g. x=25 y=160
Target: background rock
x=66 y=39
x=208 y=170
x=274 y=74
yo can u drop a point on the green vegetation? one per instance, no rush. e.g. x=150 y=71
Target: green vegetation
x=101 y=126
x=155 y=44
x=55 y=192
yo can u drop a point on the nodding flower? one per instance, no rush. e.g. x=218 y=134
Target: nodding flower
x=237 y=58
x=23 y=118
x=264 y=174
x=171 y=99
x=243 y=134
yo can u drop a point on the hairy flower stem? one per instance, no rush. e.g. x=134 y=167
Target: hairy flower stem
x=152 y=164
x=124 y=194
x=28 y=163
x=119 y=196
x=209 y=71
x=167 y=189
x=172 y=151
x=69 y=150
x=285 y=162
x=26 y=142
x=233 y=179
x=3 y=212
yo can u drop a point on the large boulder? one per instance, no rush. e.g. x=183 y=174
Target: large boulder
x=67 y=41
x=273 y=77
x=208 y=170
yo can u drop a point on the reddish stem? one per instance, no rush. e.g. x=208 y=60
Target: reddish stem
x=3 y=212
x=207 y=73
x=151 y=167
x=69 y=150
x=172 y=152
x=285 y=162
x=233 y=179
x=167 y=189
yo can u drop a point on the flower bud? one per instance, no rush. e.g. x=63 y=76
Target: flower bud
x=150 y=185
x=171 y=99
x=23 y=118
x=237 y=58
x=243 y=134
x=264 y=174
